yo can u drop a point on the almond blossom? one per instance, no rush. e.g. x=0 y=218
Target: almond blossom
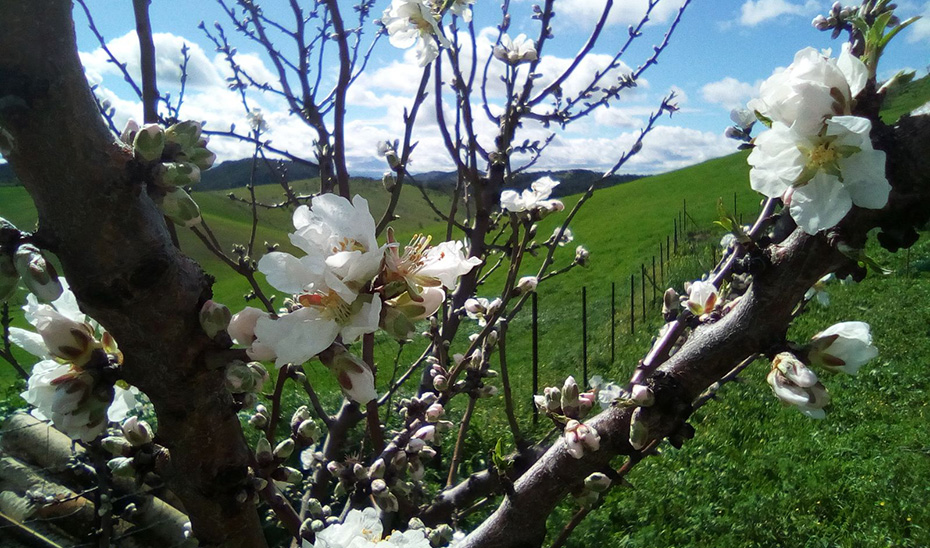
x=410 y=22
x=794 y=384
x=533 y=199
x=702 y=298
x=363 y=529
x=60 y=388
x=844 y=347
x=342 y=258
x=812 y=88
x=820 y=176
x=518 y=50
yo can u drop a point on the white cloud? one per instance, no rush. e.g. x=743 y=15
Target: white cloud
x=588 y=12
x=919 y=31
x=201 y=72
x=729 y=92
x=754 y=12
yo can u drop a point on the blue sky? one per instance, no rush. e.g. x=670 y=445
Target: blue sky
x=719 y=54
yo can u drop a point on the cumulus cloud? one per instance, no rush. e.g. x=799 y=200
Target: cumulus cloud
x=201 y=72
x=919 y=31
x=627 y=12
x=729 y=92
x=754 y=12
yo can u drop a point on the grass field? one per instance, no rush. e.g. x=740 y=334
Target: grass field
x=757 y=474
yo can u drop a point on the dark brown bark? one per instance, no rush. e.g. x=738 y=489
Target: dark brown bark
x=116 y=252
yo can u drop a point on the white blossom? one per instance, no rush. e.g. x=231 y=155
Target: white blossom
x=812 y=88
x=62 y=392
x=518 y=50
x=462 y=8
x=363 y=529
x=820 y=176
x=242 y=330
x=567 y=236
x=342 y=257
x=844 y=347
x=819 y=291
x=535 y=198
x=606 y=392
x=794 y=384
x=702 y=298
x=257 y=120
x=410 y=22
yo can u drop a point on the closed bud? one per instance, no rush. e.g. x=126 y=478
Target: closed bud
x=287 y=475
x=387 y=502
x=149 y=143
x=37 y=273
x=586 y=498
x=128 y=134
x=527 y=284
x=299 y=416
x=308 y=430
x=121 y=467
x=263 y=453
x=570 y=403
x=639 y=432
x=643 y=395
x=201 y=157
x=116 y=445
x=389 y=180
x=185 y=134
x=487 y=391
x=582 y=256
x=434 y=412
x=137 y=432
x=377 y=469
x=360 y=472
x=354 y=375
x=440 y=382
x=178 y=174
x=284 y=449
x=178 y=206
x=314 y=508
x=670 y=302
x=240 y=378
x=597 y=482
x=317 y=525
x=378 y=486
x=214 y=318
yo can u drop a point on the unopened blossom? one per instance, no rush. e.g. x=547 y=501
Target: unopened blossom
x=570 y=403
x=242 y=331
x=843 y=347
x=354 y=375
x=534 y=199
x=410 y=22
x=566 y=238
x=137 y=432
x=37 y=273
x=580 y=437
x=582 y=256
x=821 y=175
x=813 y=88
x=549 y=400
x=794 y=384
x=515 y=51
x=481 y=309
x=527 y=284
x=702 y=298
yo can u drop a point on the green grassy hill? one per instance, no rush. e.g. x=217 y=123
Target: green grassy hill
x=756 y=475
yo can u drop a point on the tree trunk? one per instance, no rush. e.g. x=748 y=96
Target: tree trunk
x=115 y=251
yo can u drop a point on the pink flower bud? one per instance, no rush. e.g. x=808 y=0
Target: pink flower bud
x=579 y=436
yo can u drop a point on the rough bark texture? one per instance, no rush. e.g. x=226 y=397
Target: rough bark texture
x=114 y=248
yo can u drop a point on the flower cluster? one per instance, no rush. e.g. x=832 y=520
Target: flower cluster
x=344 y=286
x=69 y=385
x=363 y=529
x=533 y=201
x=178 y=154
x=816 y=156
x=844 y=347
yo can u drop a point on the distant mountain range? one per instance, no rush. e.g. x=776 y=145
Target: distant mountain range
x=236 y=174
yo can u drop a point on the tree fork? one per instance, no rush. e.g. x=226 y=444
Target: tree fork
x=116 y=252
